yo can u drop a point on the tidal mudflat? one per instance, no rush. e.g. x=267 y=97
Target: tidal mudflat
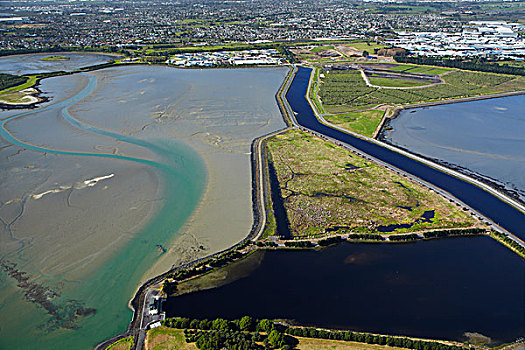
x=441 y=289
x=34 y=63
x=483 y=138
x=125 y=172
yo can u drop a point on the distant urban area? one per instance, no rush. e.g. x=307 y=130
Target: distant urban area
x=455 y=29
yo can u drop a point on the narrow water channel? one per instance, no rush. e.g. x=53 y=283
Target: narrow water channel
x=500 y=212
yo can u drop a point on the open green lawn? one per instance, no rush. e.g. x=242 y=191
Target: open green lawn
x=345 y=91
x=436 y=71
x=325 y=344
x=388 y=82
x=322 y=48
x=163 y=338
x=324 y=185
x=364 y=123
x=364 y=46
x=314 y=90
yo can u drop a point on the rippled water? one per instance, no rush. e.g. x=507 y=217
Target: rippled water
x=486 y=137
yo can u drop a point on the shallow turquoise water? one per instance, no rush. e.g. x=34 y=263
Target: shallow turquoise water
x=167 y=135
x=183 y=178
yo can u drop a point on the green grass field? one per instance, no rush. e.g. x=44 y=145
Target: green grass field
x=163 y=338
x=321 y=48
x=364 y=123
x=364 y=46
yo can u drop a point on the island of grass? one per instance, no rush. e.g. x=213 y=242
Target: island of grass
x=328 y=190
x=55 y=58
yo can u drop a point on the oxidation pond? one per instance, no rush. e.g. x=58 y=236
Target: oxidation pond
x=437 y=289
x=483 y=137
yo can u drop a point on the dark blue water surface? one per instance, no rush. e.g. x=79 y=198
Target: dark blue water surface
x=437 y=289
x=503 y=214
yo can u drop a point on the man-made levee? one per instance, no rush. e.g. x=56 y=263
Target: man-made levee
x=505 y=215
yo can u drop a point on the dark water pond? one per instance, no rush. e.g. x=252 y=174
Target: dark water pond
x=485 y=137
x=438 y=289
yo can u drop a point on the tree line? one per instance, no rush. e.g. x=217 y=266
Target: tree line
x=9 y=80
x=246 y=332
x=467 y=232
x=481 y=64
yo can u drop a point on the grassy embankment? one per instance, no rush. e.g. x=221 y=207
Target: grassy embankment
x=326 y=187
x=122 y=344
x=364 y=122
x=163 y=338
x=322 y=48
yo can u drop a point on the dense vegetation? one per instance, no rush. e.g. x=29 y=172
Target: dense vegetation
x=411 y=237
x=448 y=233
x=345 y=90
x=506 y=240
x=236 y=334
x=481 y=64
x=249 y=333
x=9 y=80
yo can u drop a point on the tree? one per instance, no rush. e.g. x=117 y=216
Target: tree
x=169 y=287
x=246 y=324
x=265 y=325
x=366 y=53
x=276 y=339
x=204 y=324
x=220 y=324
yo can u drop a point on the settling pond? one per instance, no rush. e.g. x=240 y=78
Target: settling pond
x=482 y=137
x=436 y=289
